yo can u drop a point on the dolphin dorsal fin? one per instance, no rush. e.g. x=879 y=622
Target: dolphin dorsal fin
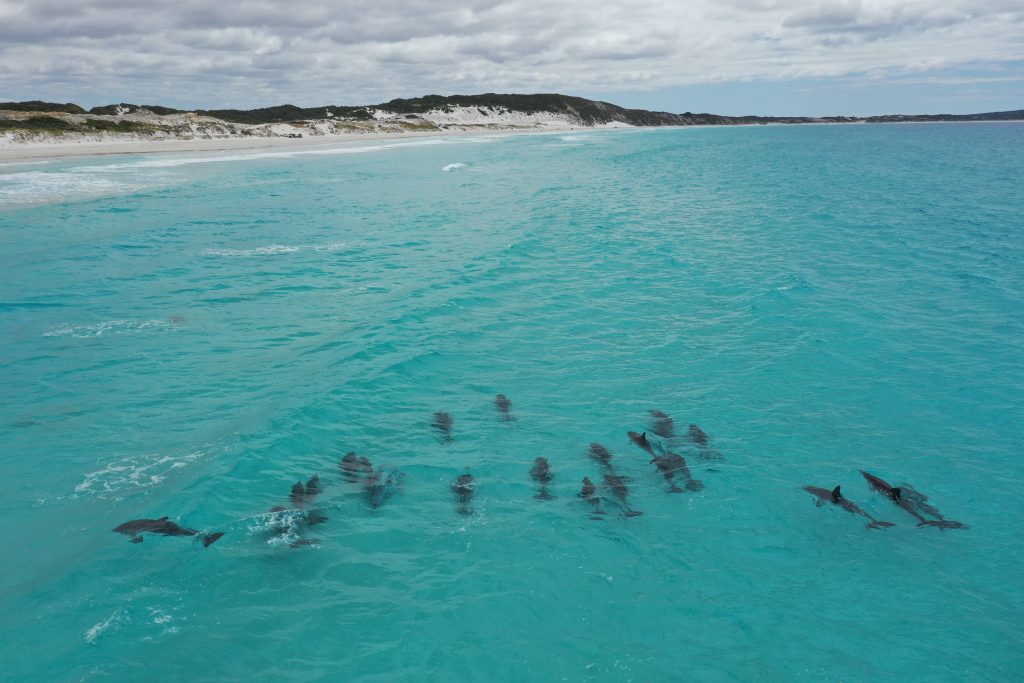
x=162 y=519
x=643 y=437
x=897 y=493
x=836 y=495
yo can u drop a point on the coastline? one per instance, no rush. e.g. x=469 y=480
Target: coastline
x=52 y=150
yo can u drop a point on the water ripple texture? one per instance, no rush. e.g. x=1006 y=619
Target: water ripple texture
x=209 y=337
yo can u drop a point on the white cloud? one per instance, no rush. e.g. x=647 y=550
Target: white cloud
x=260 y=52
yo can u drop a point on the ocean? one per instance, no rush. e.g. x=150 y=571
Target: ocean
x=190 y=335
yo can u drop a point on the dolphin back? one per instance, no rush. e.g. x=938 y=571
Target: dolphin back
x=385 y=486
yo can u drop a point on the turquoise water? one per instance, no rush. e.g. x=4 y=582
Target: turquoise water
x=190 y=335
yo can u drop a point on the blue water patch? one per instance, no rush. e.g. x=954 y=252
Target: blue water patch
x=192 y=336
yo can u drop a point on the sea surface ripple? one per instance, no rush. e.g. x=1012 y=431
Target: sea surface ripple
x=190 y=338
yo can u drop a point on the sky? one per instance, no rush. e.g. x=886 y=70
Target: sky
x=734 y=57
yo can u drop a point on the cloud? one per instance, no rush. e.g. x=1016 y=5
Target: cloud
x=872 y=21
x=260 y=52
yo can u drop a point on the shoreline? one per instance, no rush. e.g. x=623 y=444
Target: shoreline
x=55 y=150
x=51 y=150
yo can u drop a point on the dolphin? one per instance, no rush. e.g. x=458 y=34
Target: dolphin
x=667 y=469
x=302 y=496
x=298 y=495
x=589 y=493
x=315 y=517
x=163 y=526
x=698 y=436
x=662 y=425
x=672 y=464
x=836 y=498
x=601 y=454
x=443 y=423
x=464 y=490
x=541 y=473
x=908 y=503
x=919 y=500
x=618 y=487
x=353 y=466
x=312 y=489
x=679 y=462
x=382 y=484
x=641 y=441
x=504 y=407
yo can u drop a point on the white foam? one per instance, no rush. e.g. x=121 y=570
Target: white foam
x=333 y=246
x=89 y=179
x=325 y=150
x=159 y=616
x=114 y=620
x=269 y=250
x=107 y=327
x=280 y=521
x=283 y=527
x=27 y=187
x=274 y=249
x=133 y=472
x=452 y=167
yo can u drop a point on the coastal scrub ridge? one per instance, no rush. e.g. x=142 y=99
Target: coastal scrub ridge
x=30 y=120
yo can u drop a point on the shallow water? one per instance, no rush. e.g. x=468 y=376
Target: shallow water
x=190 y=335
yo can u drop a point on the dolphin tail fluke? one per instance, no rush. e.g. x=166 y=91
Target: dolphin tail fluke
x=210 y=539
x=694 y=485
x=943 y=524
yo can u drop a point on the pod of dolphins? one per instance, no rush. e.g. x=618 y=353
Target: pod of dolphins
x=382 y=483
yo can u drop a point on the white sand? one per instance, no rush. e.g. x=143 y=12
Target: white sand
x=204 y=134
x=55 y=148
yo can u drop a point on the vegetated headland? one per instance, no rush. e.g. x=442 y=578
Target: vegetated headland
x=37 y=121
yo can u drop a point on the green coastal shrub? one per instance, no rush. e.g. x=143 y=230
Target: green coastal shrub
x=113 y=109
x=43 y=124
x=119 y=126
x=39 y=105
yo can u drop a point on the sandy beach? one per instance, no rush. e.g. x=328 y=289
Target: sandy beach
x=42 y=151
x=55 y=149
x=229 y=137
